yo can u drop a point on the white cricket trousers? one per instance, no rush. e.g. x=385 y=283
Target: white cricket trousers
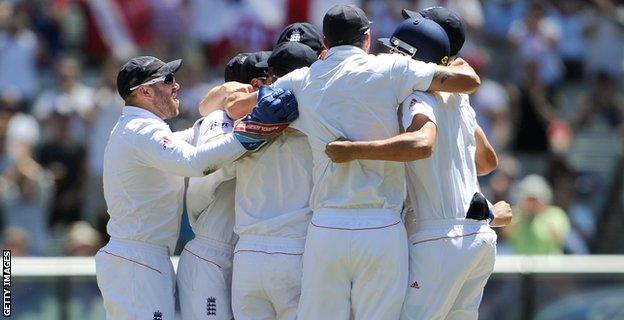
x=266 y=281
x=136 y=280
x=356 y=271
x=450 y=262
x=205 y=279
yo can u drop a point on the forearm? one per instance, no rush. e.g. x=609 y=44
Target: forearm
x=240 y=104
x=455 y=78
x=405 y=147
x=186 y=160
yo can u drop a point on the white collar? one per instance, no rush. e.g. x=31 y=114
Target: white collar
x=341 y=52
x=139 y=112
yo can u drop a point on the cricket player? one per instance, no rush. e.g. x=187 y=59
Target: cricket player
x=204 y=274
x=273 y=189
x=355 y=257
x=144 y=163
x=451 y=256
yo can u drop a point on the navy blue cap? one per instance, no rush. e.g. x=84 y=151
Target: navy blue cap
x=344 y=24
x=289 y=56
x=450 y=21
x=420 y=38
x=138 y=69
x=242 y=68
x=303 y=32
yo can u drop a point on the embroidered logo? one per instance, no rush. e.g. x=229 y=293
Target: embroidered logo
x=295 y=36
x=211 y=306
x=157 y=315
x=415 y=285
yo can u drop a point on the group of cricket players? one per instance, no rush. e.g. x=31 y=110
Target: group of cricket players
x=322 y=182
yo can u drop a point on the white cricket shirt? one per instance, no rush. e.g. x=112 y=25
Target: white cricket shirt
x=273 y=189
x=354 y=95
x=441 y=186
x=210 y=199
x=144 y=163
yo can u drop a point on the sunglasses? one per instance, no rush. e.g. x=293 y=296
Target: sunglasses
x=167 y=79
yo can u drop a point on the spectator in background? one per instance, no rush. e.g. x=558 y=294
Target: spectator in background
x=69 y=98
x=537 y=227
x=101 y=119
x=64 y=156
x=573 y=21
x=82 y=240
x=498 y=18
x=605 y=38
x=26 y=189
x=535 y=38
x=601 y=107
x=532 y=113
x=18 y=56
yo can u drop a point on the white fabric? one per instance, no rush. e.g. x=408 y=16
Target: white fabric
x=205 y=267
x=143 y=196
x=364 y=271
x=210 y=199
x=441 y=186
x=136 y=280
x=266 y=286
x=204 y=280
x=273 y=188
x=450 y=262
x=354 y=95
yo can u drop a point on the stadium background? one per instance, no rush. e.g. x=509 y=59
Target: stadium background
x=550 y=101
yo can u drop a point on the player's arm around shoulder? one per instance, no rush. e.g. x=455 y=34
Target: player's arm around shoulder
x=459 y=76
x=416 y=143
x=486 y=159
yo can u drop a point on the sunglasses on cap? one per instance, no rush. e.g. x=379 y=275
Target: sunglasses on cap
x=167 y=79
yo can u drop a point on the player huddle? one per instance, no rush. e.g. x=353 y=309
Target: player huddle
x=303 y=181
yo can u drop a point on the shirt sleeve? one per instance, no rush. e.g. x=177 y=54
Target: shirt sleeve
x=189 y=134
x=410 y=75
x=160 y=149
x=418 y=104
x=293 y=82
x=216 y=124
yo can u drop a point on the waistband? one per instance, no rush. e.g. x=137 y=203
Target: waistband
x=122 y=245
x=434 y=223
x=428 y=230
x=268 y=244
x=212 y=243
x=355 y=219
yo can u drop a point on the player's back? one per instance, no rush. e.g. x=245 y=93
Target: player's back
x=273 y=189
x=353 y=95
x=441 y=186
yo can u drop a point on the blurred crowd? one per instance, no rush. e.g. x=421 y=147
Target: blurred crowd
x=550 y=101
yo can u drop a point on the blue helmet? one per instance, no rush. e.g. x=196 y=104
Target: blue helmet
x=421 y=39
